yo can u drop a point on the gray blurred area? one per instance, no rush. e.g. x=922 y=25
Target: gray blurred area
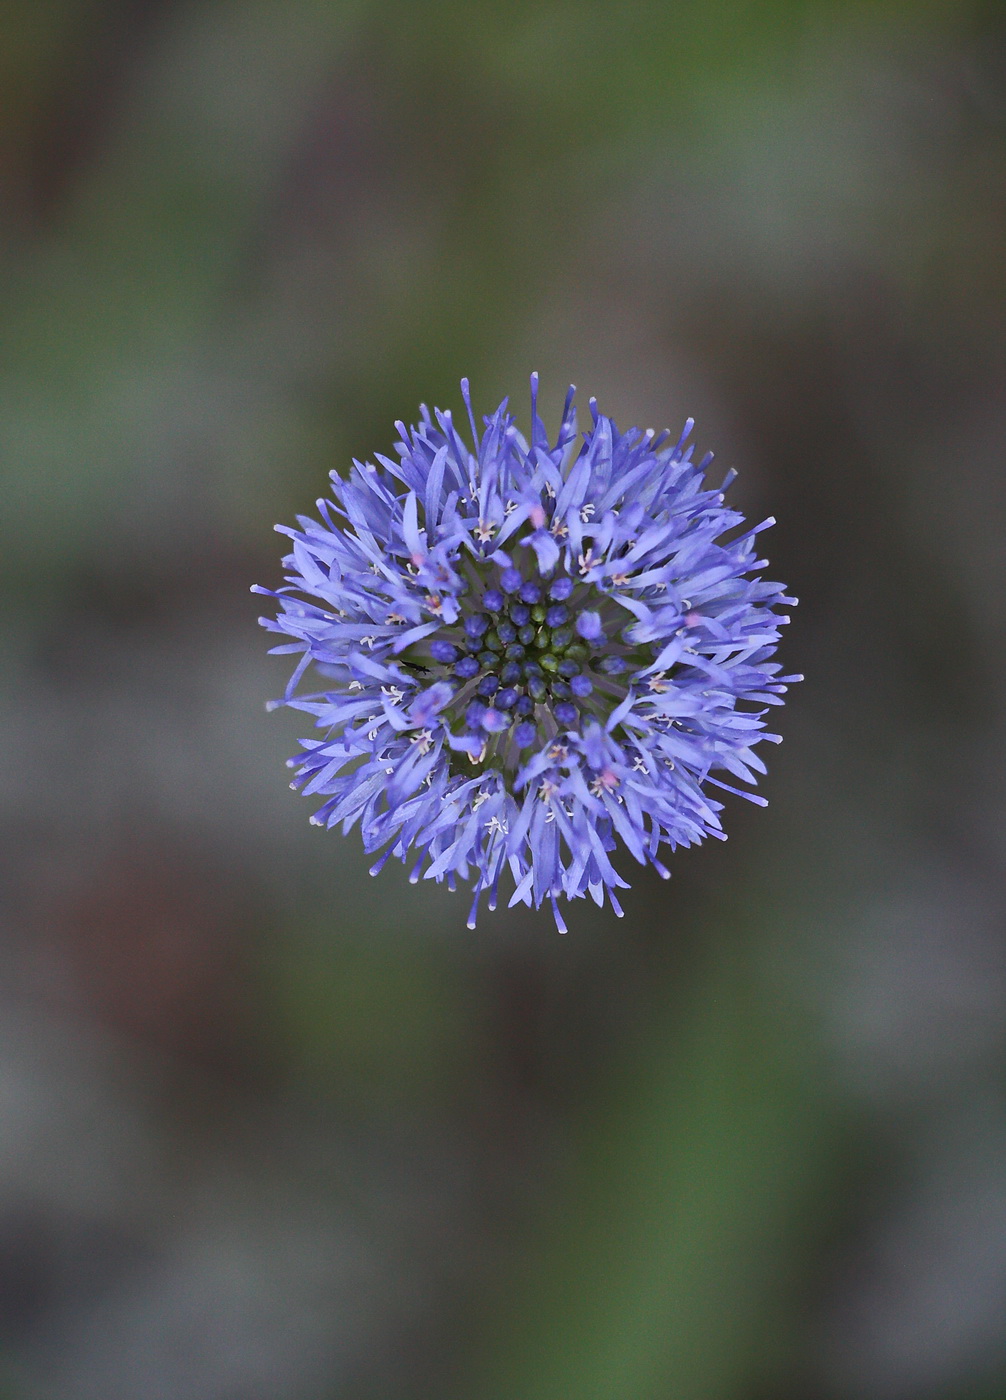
x=272 y=1130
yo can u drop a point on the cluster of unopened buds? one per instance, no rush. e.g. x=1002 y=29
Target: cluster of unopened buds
x=527 y=644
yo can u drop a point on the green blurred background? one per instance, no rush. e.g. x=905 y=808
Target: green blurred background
x=270 y=1130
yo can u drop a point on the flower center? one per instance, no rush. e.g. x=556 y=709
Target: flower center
x=528 y=658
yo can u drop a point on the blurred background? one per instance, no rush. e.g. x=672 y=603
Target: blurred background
x=271 y=1130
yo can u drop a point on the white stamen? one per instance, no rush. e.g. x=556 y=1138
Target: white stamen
x=605 y=782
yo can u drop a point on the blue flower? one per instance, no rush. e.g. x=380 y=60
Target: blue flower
x=529 y=652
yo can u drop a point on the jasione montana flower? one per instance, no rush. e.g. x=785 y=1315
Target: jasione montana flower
x=529 y=652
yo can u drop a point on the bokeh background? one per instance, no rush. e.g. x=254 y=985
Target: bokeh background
x=271 y=1130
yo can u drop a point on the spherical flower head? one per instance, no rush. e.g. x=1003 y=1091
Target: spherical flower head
x=531 y=652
